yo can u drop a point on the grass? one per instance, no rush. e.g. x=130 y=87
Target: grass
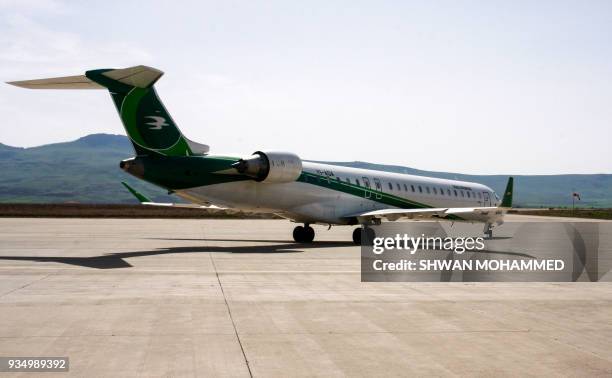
x=50 y=210
x=577 y=213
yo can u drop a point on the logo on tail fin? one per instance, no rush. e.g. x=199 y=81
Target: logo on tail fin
x=157 y=123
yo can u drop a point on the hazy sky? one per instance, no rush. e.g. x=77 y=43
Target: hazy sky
x=464 y=86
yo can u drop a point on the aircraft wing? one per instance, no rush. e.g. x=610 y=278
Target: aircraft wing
x=184 y=205
x=442 y=212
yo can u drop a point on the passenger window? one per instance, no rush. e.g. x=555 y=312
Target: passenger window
x=412 y=188
x=455 y=192
x=405 y=188
x=435 y=190
x=468 y=193
x=390 y=186
x=427 y=188
x=357 y=182
x=462 y=194
x=420 y=189
x=441 y=191
x=348 y=180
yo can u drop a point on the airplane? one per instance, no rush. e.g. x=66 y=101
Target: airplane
x=277 y=182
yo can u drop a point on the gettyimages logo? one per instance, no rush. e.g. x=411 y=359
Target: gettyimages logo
x=519 y=251
x=411 y=244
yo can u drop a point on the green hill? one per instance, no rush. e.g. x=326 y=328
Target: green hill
x=86 y=170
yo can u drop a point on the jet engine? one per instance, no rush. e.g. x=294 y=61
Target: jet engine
x=270 y=166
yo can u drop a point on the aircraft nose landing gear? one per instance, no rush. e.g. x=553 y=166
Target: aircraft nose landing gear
x=488 y=230
x=303 y=234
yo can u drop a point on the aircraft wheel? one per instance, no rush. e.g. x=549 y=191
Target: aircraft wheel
x=309 y=234
x=357 y=236
x=299 y=234
x=370 y=235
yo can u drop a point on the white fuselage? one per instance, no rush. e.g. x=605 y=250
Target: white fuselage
x=314 y=201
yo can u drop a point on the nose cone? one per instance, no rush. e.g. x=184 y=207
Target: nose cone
x=133 y=166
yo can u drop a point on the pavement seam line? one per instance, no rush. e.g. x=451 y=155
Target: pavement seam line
x=229 y=311
x=26 y=285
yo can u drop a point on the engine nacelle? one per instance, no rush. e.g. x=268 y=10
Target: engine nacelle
x=270 y=166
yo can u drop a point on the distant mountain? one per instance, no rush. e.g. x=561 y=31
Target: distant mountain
x=87 y=170
x=84 y=170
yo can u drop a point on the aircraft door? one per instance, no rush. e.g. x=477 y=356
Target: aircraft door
x=486 y=199
x=367 y=188
x=378 y=188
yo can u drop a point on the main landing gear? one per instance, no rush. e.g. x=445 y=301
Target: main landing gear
x=488 y=230
x=369 y=236
x=303 y=234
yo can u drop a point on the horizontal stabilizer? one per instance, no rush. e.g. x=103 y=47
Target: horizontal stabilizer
x=66 y=82
x=137 y=76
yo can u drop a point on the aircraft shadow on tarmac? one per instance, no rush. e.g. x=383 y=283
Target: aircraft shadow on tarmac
x=116 y=260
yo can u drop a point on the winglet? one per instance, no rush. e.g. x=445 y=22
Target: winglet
x=507 y=199
x=141 y=198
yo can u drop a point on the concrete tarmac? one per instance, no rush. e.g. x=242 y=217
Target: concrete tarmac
x=154 y=297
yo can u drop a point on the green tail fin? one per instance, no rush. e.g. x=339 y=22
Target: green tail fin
x=141 y=197
x=147 y=122
x=507 y=199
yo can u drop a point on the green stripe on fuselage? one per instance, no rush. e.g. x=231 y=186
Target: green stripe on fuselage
x=360 y=191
